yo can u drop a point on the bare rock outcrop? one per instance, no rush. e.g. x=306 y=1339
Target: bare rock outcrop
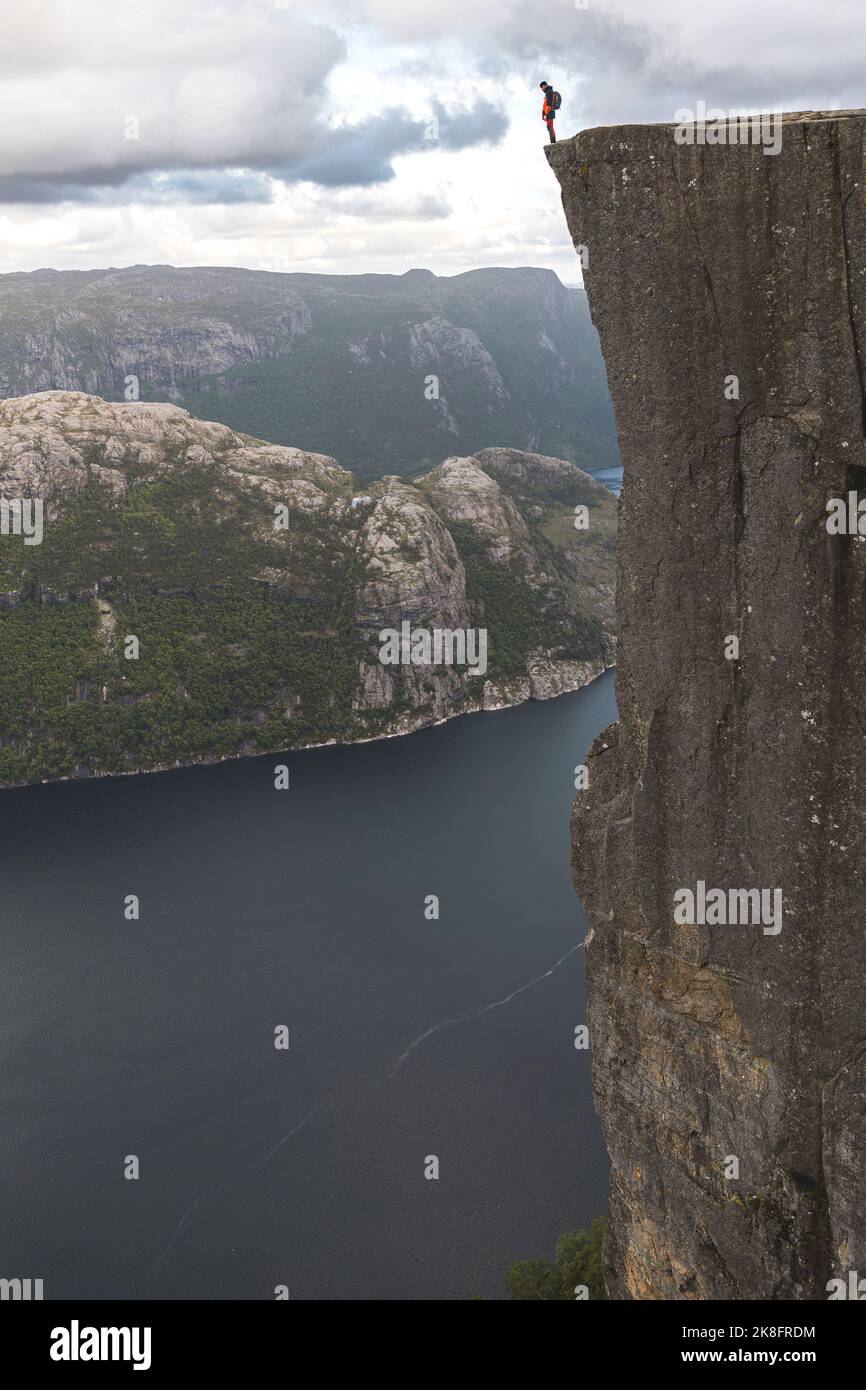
x=264 y=578
x=729 y=1062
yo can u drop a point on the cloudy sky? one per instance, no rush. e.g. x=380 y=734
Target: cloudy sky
x=356 y=135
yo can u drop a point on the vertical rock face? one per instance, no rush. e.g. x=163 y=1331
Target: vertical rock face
x=720 y=1042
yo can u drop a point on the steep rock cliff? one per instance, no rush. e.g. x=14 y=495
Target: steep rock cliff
x=719 y=1042
x=255 y=637
x=338 y=363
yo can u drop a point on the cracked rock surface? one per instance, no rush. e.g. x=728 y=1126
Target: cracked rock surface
x=719 y=1042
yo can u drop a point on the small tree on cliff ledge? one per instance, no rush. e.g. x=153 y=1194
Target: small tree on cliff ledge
x=577 y=1261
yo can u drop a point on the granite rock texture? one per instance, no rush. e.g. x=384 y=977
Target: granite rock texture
x=719 y=1042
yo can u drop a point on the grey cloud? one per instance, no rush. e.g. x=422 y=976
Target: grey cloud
x=482 y=123
x=629 y=60
x=344 y=156
x=203 y=186
x=363 y=154
x=196 y=186
x=360 y=154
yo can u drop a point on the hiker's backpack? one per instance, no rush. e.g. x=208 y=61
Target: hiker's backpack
x=556 y=101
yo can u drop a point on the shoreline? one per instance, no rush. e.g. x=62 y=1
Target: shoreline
x=596 y=671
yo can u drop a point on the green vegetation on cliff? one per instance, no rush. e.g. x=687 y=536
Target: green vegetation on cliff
x=576 y=1264
x=519 y=617
x=252 y=638
x=333 y=363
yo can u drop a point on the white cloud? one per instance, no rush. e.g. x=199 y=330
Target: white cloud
x=139 y=89
x=222 y=81
x=238 y=98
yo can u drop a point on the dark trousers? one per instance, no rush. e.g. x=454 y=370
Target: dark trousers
x=551 y=132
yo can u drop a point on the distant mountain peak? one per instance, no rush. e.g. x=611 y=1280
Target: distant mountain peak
x=389 y=373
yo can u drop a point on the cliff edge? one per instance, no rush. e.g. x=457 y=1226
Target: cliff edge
x=728 y=285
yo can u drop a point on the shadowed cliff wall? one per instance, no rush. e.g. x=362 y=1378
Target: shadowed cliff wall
x=724 y=1041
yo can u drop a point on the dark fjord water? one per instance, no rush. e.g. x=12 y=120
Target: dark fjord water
x=611 y=478
x=305 y=908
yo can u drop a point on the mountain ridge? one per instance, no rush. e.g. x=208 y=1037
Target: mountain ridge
x=162 y=527
x=353 y=366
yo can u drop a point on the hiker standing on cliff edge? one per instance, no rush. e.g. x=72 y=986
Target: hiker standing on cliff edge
x=552 y=103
